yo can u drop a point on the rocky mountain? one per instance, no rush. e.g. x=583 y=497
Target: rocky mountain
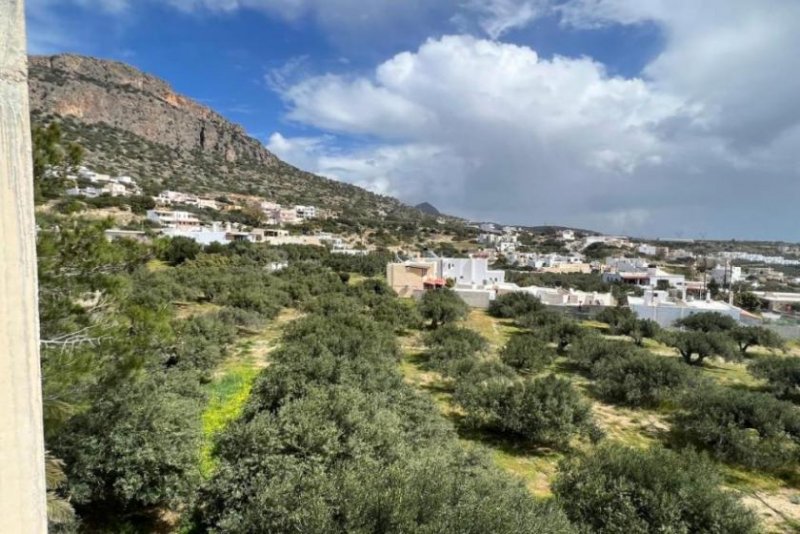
x=133 y=123
x=426 y=207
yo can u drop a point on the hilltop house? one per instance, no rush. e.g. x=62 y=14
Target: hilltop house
x=181 y=220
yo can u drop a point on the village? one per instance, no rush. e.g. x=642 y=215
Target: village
x=649 y=289
x=479 y=274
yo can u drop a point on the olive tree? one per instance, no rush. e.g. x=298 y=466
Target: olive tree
x=620 y=489
x=441 y=306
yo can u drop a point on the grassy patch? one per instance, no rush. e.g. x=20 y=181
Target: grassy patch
x=156 y=265
x=233 y=380
x=496 y=331
x=228 y=395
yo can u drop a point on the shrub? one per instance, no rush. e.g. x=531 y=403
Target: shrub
x=441 y=306
x=562 y=331
x=547 y=410
x=527 y=353
x=591 y=349
x=640 y=379
x=750 y=336
x=696 y=346
x=781 y=373
x=512 y=305
x=179 y=249
x=449 y=344
x=751 y=429
x=620 y=489
x=707 y=322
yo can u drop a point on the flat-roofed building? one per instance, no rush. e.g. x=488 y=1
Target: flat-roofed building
x=409 y=277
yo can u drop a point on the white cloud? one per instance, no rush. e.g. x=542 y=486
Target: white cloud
x=706 y=130
x=384 y=169
x=522 y=135
x=737 y=58
x=497 y=17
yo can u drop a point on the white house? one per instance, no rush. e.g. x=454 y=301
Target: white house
x=556 y=296
x=306 y=212
x=567 y=235
x=659 y=307
x=726 y=274
x=182 y=220
x=88 y=192
x=470 y=271
x=115 y=190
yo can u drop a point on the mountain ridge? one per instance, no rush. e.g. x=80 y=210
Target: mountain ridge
x=131 y=122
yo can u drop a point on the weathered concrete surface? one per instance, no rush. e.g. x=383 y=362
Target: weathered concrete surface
x=22 y=484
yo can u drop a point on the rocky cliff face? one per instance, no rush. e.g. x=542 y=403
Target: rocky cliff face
x=132 y=123
x=99 y=91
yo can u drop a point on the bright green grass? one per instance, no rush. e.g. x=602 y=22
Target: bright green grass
x=228 y=395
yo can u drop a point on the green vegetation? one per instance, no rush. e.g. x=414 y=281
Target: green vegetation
x=332 y=441
x=544 y=411
x=620 y=489
x=781 y=373
x=751 y=429
x=177 y=388
x=441 y=306
x=527 y=353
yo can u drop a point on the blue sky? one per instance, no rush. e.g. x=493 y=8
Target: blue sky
x=650 y=117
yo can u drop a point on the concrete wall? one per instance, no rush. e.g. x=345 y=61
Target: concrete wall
x=667 y=315
x=476 y=298
x=784 y=330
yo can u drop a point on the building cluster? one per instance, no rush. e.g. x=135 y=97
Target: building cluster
x=759 y=258
x=90 y=184
x=176 y=223
x=502 y=242
x=574 y=262
x=274 y=214
x=477 y=284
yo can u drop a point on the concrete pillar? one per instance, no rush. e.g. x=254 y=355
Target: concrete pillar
x=22 y=484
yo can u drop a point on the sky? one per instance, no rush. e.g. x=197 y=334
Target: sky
x=655 y=118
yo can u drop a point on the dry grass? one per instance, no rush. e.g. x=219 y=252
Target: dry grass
x=775 y=501
x=496 y=331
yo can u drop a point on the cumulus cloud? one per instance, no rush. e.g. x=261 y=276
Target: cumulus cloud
x=705 y=130
x=523 y=136
x=735 y=57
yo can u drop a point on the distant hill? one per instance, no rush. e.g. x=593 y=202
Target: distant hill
x=425 y=207
x=133 y=123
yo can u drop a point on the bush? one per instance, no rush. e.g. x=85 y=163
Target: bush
x=696 y=346
x=527 y=353
x=641 y=379
x=781 y=373
x=134 y=448
x=591 y=349
x=450 y=344
x=619 y=489
x=546 y=411
x=561 y=330
x=707 y=322
x=513 y=305
x=750 y=336
x=751 y=429
x=180 y=249
x=441 y=306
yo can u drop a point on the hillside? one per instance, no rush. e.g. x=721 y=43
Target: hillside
x=133 y=123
